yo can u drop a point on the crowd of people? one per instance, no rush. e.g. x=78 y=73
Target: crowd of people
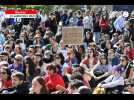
x=35 y=60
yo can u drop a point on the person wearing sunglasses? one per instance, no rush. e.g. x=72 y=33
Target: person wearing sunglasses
x=18 y=63
x=101 y=71
x=128 y=67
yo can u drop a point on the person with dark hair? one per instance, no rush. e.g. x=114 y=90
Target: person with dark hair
x=5 y=75
x=59 y=61
x=80 y=53
x=29 y=68
x=127 y=66
x=74 y=85
x=89 y=38
x=101 y=71
x=6 y=57
x=112 y=58
x=90 y=60
x=39 y=63
x=38 y=86
x=19 y=86
x=52 y=79
x=114 y=82
x=84 y=90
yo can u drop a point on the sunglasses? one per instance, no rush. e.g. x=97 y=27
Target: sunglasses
x=122 y=59
x=17 y=59
x=3 y=73
x=57 y=57
x=69 y=53
x=7 y=47
x=30 y=51
x=102 y=58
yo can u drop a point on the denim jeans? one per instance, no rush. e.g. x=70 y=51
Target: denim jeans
x=96 y=37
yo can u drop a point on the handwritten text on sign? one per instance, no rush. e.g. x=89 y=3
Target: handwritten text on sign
x=72 y=35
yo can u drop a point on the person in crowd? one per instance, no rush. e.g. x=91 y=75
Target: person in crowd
x=84 y=90
x=5 y=76
x=104 y=25
x=73 y=20
x=127 y=66
x=59 y=61
x=19 y=86
x=131 y=28
x=69 y=61
x=52 y=79
x=87 y=23
x=18 y=64
x=101 y=71
x=88 y=39
x=90 y=60
x=120 y=22
x=114 y=81
x=129 y=51
x=97 y=29
x=29 y=68
x=38 y=86
x=112 y=58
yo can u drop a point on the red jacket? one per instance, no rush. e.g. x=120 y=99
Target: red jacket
x=53 y=80
x=103 y=24
x=6 y=84
x=131 y=54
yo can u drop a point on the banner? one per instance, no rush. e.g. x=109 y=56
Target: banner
x=21 y=13
x=72 y=35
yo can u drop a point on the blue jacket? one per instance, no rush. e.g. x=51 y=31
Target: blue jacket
x=19 y=68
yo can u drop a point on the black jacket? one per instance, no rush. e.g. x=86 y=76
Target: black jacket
x=21 y=89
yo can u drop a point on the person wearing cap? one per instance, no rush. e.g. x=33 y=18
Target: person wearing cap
x=18 y=64
x=119 y=23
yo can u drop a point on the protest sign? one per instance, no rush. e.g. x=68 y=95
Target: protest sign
x=72 y=35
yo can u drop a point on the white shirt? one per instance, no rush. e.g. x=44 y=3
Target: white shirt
x=113 y=81
x=88 y=22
